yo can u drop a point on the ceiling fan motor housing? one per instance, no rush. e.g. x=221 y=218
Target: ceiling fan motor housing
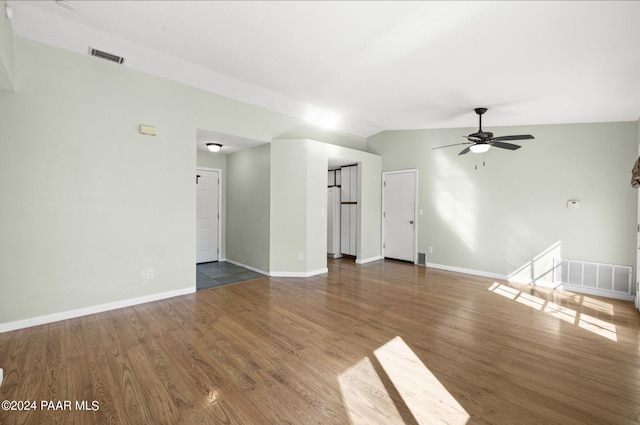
x=482 y=135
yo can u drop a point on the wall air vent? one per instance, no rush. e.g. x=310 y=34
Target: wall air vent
x=611 y=278
x=104 y=55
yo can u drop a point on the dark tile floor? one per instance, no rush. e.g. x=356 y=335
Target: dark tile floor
x=211 y=275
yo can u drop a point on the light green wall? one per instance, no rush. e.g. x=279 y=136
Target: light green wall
x=88 y=203
x=299 y=197
x=316 y=206
x=288 y=205
x=504 y=216
x=218 y=161
x=247 y=208
x=6 y=51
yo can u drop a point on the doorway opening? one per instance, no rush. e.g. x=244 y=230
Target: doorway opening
x=343 y=209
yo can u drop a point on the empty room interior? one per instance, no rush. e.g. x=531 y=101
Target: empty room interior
x=341 y=212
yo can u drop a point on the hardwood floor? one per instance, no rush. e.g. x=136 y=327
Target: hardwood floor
x=382 y=343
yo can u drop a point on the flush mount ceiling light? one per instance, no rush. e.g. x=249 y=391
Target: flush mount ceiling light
x=214 y=147
x=65 y=4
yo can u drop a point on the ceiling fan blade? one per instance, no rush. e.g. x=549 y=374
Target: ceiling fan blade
x=515 y=137
x=465 y=150
x=447 y=146
x=503 y=145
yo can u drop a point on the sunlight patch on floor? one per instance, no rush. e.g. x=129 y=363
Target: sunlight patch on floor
x=560 y=312
x=365 y=397
x=427 y=399
x=598 y=326
x=368 y=402
x=583 y=320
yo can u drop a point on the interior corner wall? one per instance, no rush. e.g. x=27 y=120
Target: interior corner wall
x=217 y=161
x=288 y=207
x=247 y=207
x=299 y=198
x=505 y=211
x=316 y=208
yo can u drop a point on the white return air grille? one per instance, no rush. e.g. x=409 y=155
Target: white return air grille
x=594 y=276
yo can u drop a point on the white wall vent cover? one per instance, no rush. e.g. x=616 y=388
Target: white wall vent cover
x=594 y=276
x=104 y=55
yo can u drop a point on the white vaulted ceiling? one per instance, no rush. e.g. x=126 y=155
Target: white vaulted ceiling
x=378 y=65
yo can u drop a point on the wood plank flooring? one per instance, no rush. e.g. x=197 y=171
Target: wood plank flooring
x=381 y=343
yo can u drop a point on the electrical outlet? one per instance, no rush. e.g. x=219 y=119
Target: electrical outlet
x=150 y=273
x=300 y=256
x=430 y=250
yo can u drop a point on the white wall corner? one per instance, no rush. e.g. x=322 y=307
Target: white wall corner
x=369 y=260
x=299 y=274
x=237 y=263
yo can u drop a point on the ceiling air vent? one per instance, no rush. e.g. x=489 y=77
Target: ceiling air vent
x=104 y=55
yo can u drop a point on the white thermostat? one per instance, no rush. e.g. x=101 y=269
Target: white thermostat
x=573 y=204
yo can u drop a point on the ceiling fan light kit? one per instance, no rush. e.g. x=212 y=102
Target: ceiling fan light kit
x=481 y=141
x=479 y=147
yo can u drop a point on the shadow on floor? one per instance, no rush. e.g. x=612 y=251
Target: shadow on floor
x=211 y=275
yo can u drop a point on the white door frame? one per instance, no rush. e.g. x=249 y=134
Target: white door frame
x=415 y=213
x=219 y=171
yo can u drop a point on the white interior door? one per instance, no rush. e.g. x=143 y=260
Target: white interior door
x=399 y=215
x=208 y=215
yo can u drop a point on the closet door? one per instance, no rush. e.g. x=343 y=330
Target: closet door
x=353 y=184
x=345 y=185
x=349 y=209
x=353 y=237
x=344 y=228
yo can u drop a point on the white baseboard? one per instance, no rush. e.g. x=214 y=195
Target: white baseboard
x=467 y=271
x=56 y=317
x=280 y=274
x=247 y=267
x=540 y=283
x=299 y=274
x=368 y=260
x=574 y=288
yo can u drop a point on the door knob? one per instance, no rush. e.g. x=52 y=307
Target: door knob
x=410 y=221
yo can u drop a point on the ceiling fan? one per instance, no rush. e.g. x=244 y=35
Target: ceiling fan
x=481 y=141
